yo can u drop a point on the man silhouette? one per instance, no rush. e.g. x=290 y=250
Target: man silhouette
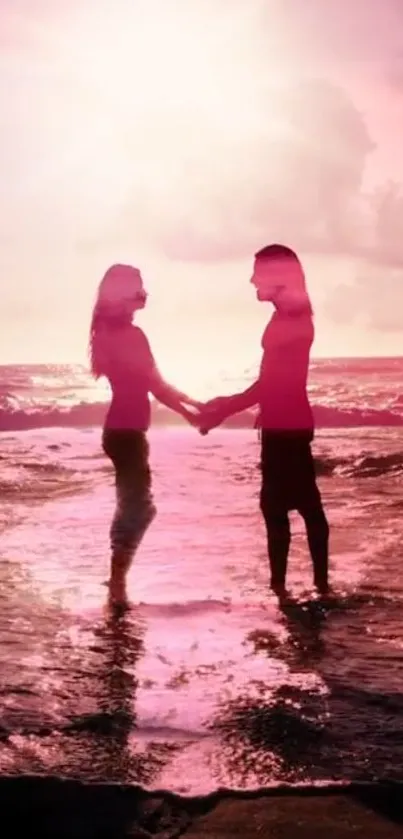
x=286 y=419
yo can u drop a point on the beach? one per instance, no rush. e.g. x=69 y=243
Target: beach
x=207 y=684
x=69 y=809
x=202 y=209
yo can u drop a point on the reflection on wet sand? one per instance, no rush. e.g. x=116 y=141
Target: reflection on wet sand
x=272 y=733
x=69 y=689
x=263 y=695
x=302 y=730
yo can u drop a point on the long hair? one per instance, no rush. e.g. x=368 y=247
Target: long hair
x=295 y=278
x=111 y=312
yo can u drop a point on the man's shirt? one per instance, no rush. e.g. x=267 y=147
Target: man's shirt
x=286 y=343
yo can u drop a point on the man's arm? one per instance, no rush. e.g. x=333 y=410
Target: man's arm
x=217 y=410
x=242 y=401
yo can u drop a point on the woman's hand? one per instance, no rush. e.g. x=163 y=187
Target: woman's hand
x=213 y=413
x=192 y=418
x=194 y=403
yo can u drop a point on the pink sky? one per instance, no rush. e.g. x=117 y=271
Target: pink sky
x=181 y=136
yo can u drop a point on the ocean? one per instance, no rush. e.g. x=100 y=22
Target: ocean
x=206 y=683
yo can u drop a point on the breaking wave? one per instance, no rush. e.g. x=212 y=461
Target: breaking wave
x=87 y=414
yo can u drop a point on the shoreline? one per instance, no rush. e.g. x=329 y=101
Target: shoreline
x=54 y=806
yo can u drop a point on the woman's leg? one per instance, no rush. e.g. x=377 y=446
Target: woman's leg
x=133 y=515
x=134 y=503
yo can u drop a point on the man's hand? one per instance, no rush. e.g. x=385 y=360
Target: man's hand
x=219 y=403
x=215 y=411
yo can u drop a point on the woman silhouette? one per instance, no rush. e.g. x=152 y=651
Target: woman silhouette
x=120 y=351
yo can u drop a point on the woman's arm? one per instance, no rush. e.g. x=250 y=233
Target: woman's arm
x=171 y=397
x=164 y=392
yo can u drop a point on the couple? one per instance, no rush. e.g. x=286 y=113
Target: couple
x=121 y=352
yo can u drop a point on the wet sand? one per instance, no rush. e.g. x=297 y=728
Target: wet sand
x=50 y=807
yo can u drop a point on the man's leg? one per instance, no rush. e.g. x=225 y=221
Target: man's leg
x=311 y=509
x=278 y=539
x=317 y=530
x=274 y=509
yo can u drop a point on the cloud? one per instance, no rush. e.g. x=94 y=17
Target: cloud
x=339 y=29
x=297 y=177
x=375 y=298
x=232 y=166
x=393 y=71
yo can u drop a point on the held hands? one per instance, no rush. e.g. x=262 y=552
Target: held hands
x=213 y=413
x=190 y=416
x=210 y=414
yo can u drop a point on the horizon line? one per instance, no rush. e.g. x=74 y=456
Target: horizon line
x=335 y=357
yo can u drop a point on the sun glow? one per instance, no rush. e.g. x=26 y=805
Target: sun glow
x=141 y=59
x=149 y=104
